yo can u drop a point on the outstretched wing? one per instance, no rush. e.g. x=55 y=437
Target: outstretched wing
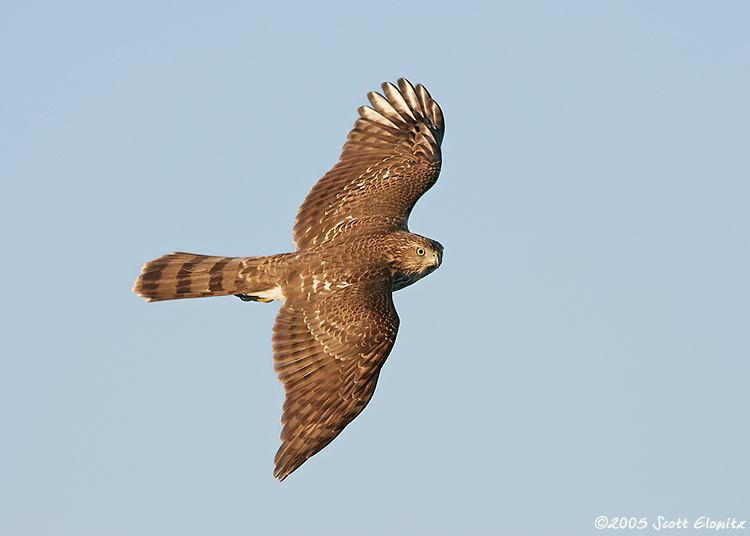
x=391 y=157
x=328 y=354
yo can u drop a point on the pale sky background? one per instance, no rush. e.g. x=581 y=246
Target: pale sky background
x=582 y=352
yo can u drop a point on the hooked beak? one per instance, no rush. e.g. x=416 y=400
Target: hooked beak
x=437 y=258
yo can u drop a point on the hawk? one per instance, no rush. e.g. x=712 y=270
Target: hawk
x=353 y=249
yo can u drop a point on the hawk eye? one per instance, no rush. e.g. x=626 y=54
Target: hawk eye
x=420 y=251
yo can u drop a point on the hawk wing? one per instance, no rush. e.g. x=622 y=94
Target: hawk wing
x=391 y=157
x=328 y=353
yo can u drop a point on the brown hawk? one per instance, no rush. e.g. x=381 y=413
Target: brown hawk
x=337 y=323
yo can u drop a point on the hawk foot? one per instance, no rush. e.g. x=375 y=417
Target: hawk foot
x=247 y=297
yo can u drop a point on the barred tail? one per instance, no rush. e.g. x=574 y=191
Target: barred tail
x=185 y=275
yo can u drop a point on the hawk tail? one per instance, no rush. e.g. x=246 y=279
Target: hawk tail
x=186 y=275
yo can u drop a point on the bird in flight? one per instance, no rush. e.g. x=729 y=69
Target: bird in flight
x=353 y=249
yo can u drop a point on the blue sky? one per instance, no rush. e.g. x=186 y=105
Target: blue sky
x=582 y=352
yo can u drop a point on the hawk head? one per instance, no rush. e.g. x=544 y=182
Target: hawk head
x=413 y=258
